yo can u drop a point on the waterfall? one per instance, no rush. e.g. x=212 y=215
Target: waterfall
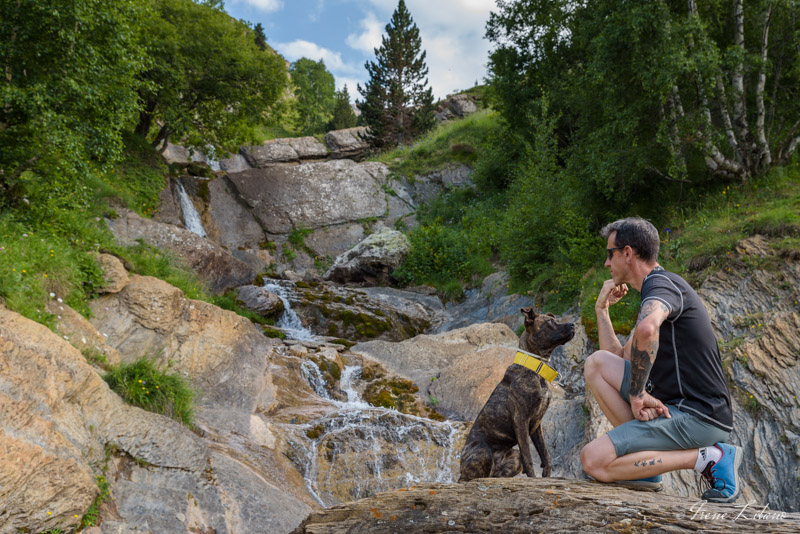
x=190 y=216
x=289 y=321
x=360 y=449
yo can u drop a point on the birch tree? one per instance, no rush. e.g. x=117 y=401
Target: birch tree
x=655 y=91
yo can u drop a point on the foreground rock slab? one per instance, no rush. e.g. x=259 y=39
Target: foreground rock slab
x=540 y=505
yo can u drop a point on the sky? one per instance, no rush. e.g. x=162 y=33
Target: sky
x=344 y=33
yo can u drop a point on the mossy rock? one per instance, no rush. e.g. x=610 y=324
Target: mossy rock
x=273 y=332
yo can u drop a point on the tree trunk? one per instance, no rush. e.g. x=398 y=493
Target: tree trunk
x=145 y=118
x=765 y=155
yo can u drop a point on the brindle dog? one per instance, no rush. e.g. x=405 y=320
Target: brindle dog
x=515 y=409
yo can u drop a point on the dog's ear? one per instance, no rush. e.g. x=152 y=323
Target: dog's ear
x=529 y=314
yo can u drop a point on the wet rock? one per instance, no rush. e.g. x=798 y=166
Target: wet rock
x=372 y=260
x=260 y=301
x=536 y=505
x=221 y=270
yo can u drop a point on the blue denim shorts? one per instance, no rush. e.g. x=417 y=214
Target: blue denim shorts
x=680 y=432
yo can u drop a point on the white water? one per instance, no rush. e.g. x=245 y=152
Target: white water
x=367 y=438
x=289 y=321
x=190 y=216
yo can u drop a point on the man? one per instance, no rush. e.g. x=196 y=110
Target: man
x=664 y=391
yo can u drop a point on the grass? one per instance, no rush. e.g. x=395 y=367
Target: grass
x=450 y=142
x=143 y=384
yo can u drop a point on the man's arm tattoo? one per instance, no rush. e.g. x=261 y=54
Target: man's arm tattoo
x=642 y=358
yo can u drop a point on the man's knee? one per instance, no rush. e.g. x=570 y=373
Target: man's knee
x=593 y=365
x=595 y=458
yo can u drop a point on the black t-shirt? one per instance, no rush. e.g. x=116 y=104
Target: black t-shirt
x=688 y=369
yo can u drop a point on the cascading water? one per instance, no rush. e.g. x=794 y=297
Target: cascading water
x=359 y=449
x=190 y=216
x=289 y=321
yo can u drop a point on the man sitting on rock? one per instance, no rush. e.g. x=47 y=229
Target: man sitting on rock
x=664 y=391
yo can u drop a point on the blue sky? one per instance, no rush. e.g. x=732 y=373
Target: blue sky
x=343 y=33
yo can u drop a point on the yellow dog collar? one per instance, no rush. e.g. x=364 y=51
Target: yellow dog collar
x=526 y=359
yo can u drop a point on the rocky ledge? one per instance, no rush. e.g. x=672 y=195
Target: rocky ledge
x=541 y=505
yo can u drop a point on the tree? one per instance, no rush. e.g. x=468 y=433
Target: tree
x=260 y=38
x=314 y=89
x=343 y=114
x=208 y=81
x=68 y=88
x=397 y=103
x=662 y=91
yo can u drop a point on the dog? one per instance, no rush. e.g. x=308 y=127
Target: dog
x=515 y=408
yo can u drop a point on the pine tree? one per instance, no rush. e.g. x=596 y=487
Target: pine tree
x=261 y=39
x=397 y=103
x=343 y=115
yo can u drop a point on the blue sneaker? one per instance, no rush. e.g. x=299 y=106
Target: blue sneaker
x=722 y=478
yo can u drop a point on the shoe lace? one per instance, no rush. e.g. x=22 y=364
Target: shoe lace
x=708 y=480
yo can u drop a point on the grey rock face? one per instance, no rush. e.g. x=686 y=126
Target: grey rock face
x=229 y=222
x=310 y=196
x=235 y=163
x=307 y=147
x=462 y=105
x=372 y=260
x=221 y=270
x=347 y=143
x=260 y=300
x=272 y=151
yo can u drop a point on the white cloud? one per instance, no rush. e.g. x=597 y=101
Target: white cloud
x=300 y=48
x=264 y=5
x=370 y=38
x=452 y=35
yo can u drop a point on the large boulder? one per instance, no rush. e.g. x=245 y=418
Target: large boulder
x=349 y=143
x=269 y=153
x=372 y=260
x=259 y=300
x=540 y=505
x=219 y=268
x=312 y=195
x=360 y=314
x=63 y=426
x=461 y=105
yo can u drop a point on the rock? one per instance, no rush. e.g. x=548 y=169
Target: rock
x=348 y=143
x=82 y=335
x=260 y=301
x=331 y=241
x=176 y=154
x=372 y=260
x=424 y=188
x=444 y=115
x=359 y=314
x=114 y=273
x=221 y=270
x=235 y=163
x=307 y=147
x=461 y=105
x=223 y=354
x=460 y=368
x=313 y=195
x=228 y=222
x=524 y=504
x=268 y=153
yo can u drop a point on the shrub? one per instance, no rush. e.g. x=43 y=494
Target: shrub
x=142 y=384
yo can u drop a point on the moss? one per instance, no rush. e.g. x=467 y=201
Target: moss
x=344 y=342
x=350 y=300
x=309 y=296
x=273 y=332
x=333 y=330
x=268 y=245
x=384 y=398
x=314 y=433
x=202 y=190
x=259 y=280
x=302 y=285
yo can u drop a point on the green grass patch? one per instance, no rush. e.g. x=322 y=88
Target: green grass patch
x=451 y=142
x=147 y=260
x=143 y=384
x=228 y=302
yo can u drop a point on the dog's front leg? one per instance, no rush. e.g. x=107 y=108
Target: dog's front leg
x=521 y=431
x=537 y=436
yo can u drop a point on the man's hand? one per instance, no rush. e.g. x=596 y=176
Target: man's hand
x=647 y=408
x=610 y=294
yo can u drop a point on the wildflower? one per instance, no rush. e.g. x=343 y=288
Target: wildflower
x=52 y=295
x=26 y=235
x=59 y=299
x=24 y=271
x=723 y=192
x=44 y=275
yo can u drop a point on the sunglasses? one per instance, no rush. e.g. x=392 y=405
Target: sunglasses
x=610 y=251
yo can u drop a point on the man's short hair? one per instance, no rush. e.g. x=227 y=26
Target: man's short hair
x=637 y=233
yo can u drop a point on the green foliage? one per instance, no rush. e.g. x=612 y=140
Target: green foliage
x=68 y=89
x=343 y=114
x=138 y=179
x=147 y=260
x=227 y=301
x=397 y=106
x=207 y=82
x=435 y=150
x=143 y=384
x=314 y=90
x=92 y=515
